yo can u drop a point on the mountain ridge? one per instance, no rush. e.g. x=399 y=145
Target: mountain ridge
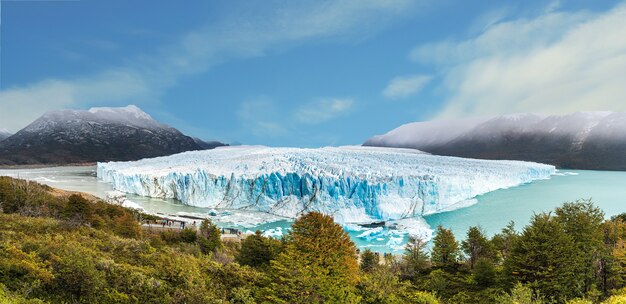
x=4 y=134
x=580 y=140
x=99 y=134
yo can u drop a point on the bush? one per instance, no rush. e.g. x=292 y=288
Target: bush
x=188 y=235
x=257 y=250
x=211 y=237
x=369 y=261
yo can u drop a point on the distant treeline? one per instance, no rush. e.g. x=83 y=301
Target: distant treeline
x=67 y=249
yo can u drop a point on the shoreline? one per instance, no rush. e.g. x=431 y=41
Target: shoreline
x=43 y=166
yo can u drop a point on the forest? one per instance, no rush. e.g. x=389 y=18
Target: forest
x=57 y=248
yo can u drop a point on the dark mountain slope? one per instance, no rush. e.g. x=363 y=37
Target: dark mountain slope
x=100 y=134
x=584 y=140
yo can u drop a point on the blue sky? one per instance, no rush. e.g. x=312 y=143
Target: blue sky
x=310 y=73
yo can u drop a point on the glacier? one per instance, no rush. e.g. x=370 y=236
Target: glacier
x=354 y=184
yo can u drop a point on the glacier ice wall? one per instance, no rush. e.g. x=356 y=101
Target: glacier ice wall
x=354 y=184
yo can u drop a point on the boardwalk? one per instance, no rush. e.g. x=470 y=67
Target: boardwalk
x=228 y=234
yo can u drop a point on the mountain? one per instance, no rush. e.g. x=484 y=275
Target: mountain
x=4 y=134
x=582 y=140
x=99 y=134
x=206 y=145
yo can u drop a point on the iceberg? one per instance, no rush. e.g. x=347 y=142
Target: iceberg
x=354 y=184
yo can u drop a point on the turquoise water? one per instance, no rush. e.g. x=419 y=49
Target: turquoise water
x=491 y=212
x=495 y=209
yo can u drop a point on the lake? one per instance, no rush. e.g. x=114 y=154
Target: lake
x=491 y=212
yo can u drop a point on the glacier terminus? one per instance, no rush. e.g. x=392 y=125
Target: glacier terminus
x=354 y=184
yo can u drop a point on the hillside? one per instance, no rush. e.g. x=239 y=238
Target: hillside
x=99 y=134
x=583 y=140
x=4 y=134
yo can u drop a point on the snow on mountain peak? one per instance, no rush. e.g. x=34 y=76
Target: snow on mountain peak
x=130 y=116
x=130 y=110
x=4 y=133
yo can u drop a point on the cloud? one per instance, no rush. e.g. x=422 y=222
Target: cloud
x=405 y=86
x=554 y=63
x=24 y=104
x=238 y=34
x=261 y=118
x=323 y=110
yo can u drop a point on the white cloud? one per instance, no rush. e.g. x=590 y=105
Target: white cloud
x=240 y=34
x=555 y=63
x=19 y=106
x=260 y=117
x=323 y=110
x=405 y=86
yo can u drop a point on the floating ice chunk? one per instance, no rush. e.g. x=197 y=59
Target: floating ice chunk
x=115 y=197
x=371 y=234
x=395 y=242
x=274 y=232
x=415 y=226
x=567 y=173
x=132 y=205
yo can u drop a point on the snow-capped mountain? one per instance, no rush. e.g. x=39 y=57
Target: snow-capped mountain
x=582 y=140
x=99 y=134
x=354 y=184
x=4 y=134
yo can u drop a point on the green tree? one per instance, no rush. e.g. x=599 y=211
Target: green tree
x=318 y=264
x=257 y=250
x=583 y=222
x=127 y=226
x=503 y=241
x=545 y=258
x=445 y=250
x=369 y=260
x=78 y=210
x=521 y=294
x=415 y=257
x=613 y=263
x=211 y=238
x=188 y=235
x=484 y=272
x=476 y=246
x=381 y=285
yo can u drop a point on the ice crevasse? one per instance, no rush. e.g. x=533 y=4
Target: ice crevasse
x=354 y=184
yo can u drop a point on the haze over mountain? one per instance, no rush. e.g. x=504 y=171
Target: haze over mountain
x=582 y=140
x=99 y=134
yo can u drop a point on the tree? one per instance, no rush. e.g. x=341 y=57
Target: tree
x=78 y=210
x=583 y=222
x=383 y=286
x=415 y=257
x=369 y=260
x=503 y=241
x=318 y=264
x=188 y=235
x=211 y=238
x=484 y=272
x=545 y=258
x=613 y=263
x=476 y=246
x=445 y=250
x=257 y=250
x=127 y=226
x=521 y=294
